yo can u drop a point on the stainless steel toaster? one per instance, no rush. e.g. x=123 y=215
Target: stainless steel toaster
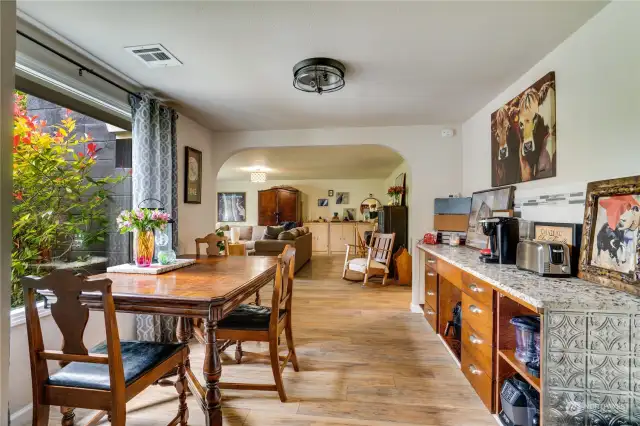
x=544 y=258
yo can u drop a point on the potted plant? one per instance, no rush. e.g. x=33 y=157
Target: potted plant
x=143 y=223
x=395 y=192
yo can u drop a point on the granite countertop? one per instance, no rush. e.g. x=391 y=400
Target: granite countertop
x=541 y=292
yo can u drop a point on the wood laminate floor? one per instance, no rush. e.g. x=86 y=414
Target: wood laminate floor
x=364 y=360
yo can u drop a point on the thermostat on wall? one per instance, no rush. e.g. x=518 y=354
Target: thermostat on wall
x=447 y=133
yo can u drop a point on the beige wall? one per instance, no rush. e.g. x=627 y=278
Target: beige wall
x=195 y=220
x=597 y=90
x=311 y=189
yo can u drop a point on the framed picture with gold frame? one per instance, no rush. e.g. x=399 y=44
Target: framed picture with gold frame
x=610 y=253
x=192 y=175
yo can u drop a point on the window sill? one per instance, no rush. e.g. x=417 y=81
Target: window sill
x=18 y=315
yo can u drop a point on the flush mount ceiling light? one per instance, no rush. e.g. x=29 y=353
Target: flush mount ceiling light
x=318 y=75
x=258 y=177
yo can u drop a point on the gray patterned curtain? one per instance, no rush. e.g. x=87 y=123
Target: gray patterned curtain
x=155 y=175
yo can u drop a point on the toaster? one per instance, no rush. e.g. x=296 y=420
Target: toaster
x=544 y=258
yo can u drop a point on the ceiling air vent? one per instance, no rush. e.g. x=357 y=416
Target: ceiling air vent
x=154 y=55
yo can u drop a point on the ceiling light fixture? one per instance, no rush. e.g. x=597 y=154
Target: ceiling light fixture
x=318 y=75
x=258 y=177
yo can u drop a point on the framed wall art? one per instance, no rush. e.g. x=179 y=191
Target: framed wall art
x=567 y=233
x=232 y=206
x=342 y=198
x=523 y=135
x=323 y=202
x=193 y=175
x=610 y=253
x=483 y=203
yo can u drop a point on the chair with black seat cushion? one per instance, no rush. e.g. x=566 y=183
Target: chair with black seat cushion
x=104 y=377
x=263 y=324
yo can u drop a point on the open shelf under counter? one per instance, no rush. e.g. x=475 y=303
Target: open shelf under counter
x=509 y=355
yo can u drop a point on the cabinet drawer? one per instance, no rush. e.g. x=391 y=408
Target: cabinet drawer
x=479 y=379
x=479 y=346
x=431 y=262
x=432 y=317
x=478 y=289
x=450 y=273
x=479 y=315
x=431 y=287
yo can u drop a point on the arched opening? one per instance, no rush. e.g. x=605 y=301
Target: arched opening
x=341 y=193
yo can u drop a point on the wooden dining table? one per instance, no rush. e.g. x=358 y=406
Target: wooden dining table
x=207 y=290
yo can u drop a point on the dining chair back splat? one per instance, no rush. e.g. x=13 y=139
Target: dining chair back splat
x=104 y=377
x=263 y=324
x=212 y=241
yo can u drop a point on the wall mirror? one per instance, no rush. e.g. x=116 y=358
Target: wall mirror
x=369 y=208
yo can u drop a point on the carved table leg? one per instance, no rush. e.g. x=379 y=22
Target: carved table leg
x=238 y=351
x=68 y=416
x=258 y=298
x=212 y=371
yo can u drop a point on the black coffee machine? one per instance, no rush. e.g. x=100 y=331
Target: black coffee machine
x=504 y=235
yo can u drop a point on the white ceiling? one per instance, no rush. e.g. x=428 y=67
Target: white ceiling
x=407 y=63
x=318 y=162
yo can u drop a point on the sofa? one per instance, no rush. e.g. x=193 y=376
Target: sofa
x=271 y=241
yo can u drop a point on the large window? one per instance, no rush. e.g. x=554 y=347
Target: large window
x=71 y=177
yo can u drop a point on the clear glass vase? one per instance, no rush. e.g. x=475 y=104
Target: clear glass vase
x=144 y=248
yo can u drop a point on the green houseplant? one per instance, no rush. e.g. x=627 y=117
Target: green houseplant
x=56 y=202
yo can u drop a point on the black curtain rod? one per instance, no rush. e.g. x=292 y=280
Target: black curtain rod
x=81 y=67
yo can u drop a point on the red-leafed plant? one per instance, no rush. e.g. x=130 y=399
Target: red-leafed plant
x=56 y=203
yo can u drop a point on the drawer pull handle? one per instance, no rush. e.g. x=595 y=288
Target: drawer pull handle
x=474 y=370
x=475 y=309
x=431 y=274
x=430 y=313
x=475 y=340
x=431 y=261
x=430 y=293
x=475 y=288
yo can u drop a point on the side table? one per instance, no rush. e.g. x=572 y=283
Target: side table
x=237 y=249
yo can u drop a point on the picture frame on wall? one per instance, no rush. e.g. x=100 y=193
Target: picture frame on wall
x=610 y=252
x=232 y=206
x=566 y=233
x=330 y=193
x=323 y=202
x=342 y=198
x=401 y=180
x=192 y=175
x=483 y=204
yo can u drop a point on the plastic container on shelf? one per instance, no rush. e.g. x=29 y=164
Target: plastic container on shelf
x=527 y=337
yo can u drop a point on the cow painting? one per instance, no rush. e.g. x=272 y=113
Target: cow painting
x=617 y=226
x=523 y=135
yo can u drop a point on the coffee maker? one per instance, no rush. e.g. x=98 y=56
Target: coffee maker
x=504 y=235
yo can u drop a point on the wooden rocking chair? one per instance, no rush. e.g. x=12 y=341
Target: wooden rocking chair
x=375 y=263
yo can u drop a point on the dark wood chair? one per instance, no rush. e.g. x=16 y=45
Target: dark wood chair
x=212 y=241
x=263 y=324
x=104 y=377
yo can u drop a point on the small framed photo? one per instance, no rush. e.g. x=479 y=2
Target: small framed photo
x=330 y=194
x=323 y=202
x=342 y=198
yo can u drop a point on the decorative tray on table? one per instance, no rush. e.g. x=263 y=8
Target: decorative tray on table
x=154 y=269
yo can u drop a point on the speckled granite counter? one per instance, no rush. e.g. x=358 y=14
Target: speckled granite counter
x=541 y=292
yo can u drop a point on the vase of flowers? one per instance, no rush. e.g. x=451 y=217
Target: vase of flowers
x=395 y=192
x=143 y=223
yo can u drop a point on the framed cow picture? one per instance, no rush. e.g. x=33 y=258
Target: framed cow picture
x=523 y=135
x=610 y=253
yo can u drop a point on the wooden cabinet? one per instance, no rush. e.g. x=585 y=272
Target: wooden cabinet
x=277 y=205
x=487 y=342
x=319 y=237
x=340 y=235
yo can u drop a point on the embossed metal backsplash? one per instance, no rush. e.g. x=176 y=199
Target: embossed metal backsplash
x=592 y=369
